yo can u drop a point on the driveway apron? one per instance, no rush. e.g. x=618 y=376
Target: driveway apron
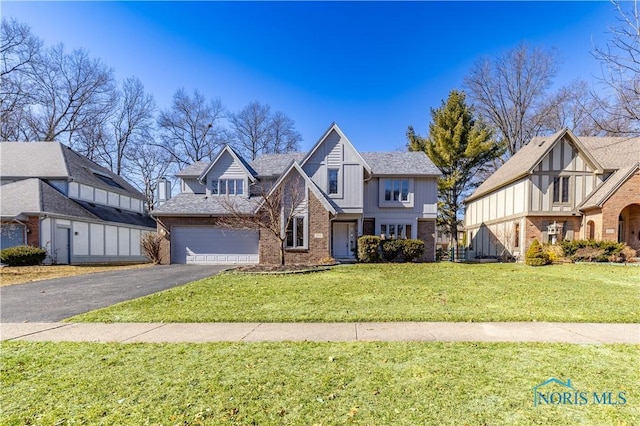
x=60 y=298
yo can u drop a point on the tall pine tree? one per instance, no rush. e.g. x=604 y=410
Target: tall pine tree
x=459 y=146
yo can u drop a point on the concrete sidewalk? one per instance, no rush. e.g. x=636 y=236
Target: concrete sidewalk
x=580 y=333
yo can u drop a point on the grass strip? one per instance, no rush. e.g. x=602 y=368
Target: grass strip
x=312 y=383
x=398 y=292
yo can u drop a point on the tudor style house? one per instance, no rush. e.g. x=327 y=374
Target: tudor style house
x=346 y=194
x=558 y=187
x=80 y=212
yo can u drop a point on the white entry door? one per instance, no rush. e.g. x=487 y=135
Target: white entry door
x=344 y=240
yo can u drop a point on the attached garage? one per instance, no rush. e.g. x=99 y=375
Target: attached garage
x=211 y=245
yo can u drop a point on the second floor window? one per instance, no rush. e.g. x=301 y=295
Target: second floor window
x=561 y=189
x=396 y=190
x=333 y=181
x=227 y=186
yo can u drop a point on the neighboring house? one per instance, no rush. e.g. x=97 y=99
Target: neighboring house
x=346 y=194
x=80 y=212
x=558 y=187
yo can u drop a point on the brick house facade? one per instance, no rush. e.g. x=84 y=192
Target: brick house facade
x=346 y=194
x=558 y=187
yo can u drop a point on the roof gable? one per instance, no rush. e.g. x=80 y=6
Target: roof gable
x=324 y=148
x=296 y=168
x=223 y=156
x=528 y=158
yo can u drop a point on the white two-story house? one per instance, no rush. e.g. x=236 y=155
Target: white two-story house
x=347 y=194
x=54 y=198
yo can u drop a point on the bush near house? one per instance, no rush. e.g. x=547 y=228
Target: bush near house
x=374 y=249
x=595 y=251
x=23 y=256
x=536 y=256
x=368 y=249
x=151 y=244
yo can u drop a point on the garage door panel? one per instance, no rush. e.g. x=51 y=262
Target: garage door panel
x=214 y=245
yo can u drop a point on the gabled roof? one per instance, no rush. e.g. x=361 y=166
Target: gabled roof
x=193 y=170
x=609 y=187
x=613 y=152
x=324 y=200
x=269 y=165
x=400 y=163
x=334 y=127
x=53 y=160
x=237 y=157
x=523 y=162
x=185 y=204
x=35 y=197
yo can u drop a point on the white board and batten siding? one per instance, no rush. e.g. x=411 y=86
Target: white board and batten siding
x=211 y=245
x=93 y=242
x=101 y=196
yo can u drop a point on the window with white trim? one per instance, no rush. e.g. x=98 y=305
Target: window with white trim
x=227 y=186
x=394 y=231
x=396 y=189
x=295 y=233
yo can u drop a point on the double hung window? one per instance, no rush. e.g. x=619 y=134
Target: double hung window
x=295 y=233
x=227 y=186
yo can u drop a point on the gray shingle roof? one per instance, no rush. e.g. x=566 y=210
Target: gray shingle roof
x=400 y=163
x=275 y=164
x=35 y=196
x=200 y=204
x=53 y=160
x=611 y=153
x=193 y=170
x=600 y=195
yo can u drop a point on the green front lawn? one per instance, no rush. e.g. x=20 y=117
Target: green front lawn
x=398 y=292
x=312 y=383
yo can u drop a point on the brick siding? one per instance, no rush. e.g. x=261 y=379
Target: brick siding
x=625 y=201
x=427 y=233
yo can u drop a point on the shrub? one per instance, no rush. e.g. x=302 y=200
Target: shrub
x=368 y=249
x=391 y=250
x=627 y=253
x=23 y=256
x=590 y=254
x=150 y=244
x=555 y=253
x=412 y=249
x=535 y=255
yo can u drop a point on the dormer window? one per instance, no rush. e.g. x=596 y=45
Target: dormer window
x=227 y=186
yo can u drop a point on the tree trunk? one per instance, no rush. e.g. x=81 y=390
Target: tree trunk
x=282 y=252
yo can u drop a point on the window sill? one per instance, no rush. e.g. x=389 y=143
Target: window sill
x=296 y=249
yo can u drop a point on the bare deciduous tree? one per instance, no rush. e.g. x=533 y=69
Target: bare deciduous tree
x=146 y=165
x=272 y=212
x=255 y=131
x=72 y=92
x=620 y=58
x=190 y=129
x=130 y=124
x=19 y=48
x=283 y=135
x=510 y=92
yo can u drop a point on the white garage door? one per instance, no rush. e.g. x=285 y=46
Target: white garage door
x=202 y=245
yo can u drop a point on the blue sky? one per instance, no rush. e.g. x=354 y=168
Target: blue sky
x=372 y=67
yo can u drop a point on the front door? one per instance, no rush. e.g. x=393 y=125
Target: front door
x=61 y=254
x=344 y=240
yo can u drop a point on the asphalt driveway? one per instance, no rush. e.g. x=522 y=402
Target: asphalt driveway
x=60 y=298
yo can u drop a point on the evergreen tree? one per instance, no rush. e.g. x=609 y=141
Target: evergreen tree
x=459 y=146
